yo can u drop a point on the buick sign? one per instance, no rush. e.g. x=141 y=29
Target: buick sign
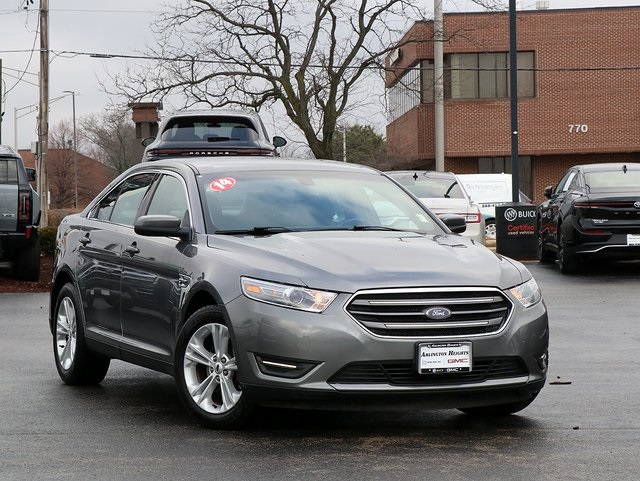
x=438 y=313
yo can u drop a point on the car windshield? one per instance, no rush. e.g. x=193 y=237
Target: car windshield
x=276 y=201
x=427 y=187
x=613 y=181
x=209 y=129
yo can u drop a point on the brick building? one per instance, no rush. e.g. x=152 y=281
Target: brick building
x=578 y=88
x=93 y=176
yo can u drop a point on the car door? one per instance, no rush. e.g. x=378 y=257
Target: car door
x=100 y=249
x=154 y=279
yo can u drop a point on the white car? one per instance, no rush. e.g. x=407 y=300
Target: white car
x=443 y=193
x=489 y=191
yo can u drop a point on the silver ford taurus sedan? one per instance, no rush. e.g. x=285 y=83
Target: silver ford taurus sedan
x=289 y=282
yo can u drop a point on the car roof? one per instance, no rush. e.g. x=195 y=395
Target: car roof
x=608 y=166
x=205 y=112
x=213 y=164
x=424 y=173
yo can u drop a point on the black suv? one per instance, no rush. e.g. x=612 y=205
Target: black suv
x=19 y=217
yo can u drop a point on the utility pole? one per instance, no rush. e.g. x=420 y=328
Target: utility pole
x=1 y=94
x=43 y=114
x=513 y=85
x=438 y=88
x=75 y=148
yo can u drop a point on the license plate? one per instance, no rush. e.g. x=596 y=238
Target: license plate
x=633 y=239
x=444 y=357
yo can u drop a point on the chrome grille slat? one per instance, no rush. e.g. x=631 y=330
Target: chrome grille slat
x=402 y=313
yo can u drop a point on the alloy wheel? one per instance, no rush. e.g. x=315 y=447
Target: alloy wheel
x=210 y=369
x=66 y=333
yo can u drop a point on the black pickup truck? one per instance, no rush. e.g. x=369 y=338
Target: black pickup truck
x=19 y=217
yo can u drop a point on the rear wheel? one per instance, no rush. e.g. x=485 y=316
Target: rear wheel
x=27 y=263
x=75 y=363
x=207 y=372
x=568 y=263
x=500 y=409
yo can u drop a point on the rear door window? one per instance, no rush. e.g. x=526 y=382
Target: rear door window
x=121 y=205
x=8 y=171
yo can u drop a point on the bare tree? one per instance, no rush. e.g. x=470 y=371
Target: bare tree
x=314 y=57
x=111 y=138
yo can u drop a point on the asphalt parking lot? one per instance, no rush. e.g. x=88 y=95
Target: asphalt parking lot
x=583 y=426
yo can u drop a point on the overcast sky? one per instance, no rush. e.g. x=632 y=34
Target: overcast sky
x=114 y=27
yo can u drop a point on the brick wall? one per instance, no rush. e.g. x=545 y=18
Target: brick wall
x=585 y=60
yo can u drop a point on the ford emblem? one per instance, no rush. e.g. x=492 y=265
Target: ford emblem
x=636 y=204
x=438 y=313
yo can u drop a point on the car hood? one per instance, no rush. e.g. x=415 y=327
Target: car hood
x=349 y=261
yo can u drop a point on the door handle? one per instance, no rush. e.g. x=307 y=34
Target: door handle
x=85 y=240
x=132 y=249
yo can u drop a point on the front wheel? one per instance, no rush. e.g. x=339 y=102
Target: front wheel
x=500 y=409
x=76 y=365
x=207 y=372
x=544 y=255
x=490 y=229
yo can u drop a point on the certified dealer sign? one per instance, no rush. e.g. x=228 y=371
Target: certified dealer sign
x=516 y=230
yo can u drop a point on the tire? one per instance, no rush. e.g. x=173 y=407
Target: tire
x=568 y=263
x=76 y=365
x=490 y=230
x=27 y=263
x=206 y=372
x=500 y=409
x=544 y=255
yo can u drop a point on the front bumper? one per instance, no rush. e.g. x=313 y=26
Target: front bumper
x=330 y=341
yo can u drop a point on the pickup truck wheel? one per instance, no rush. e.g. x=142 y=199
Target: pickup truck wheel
x=75 y=363
x=27 y=263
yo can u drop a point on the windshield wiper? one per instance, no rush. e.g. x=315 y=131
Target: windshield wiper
x=257 y=231
x=375 y=227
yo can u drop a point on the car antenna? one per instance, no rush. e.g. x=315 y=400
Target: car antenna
x=624 y=168
x=415 y=176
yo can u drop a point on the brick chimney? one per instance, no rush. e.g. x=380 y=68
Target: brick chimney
x=145 y=116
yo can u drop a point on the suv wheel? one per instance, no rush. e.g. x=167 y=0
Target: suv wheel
x=207 y=372
x=75 y=363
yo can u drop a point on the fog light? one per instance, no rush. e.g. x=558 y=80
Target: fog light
x=283 y=367
x=543 y=361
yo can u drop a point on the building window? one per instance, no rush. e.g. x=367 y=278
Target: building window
x=428 y=81
x=405 y=94
x=486 y=75
x=502 y=165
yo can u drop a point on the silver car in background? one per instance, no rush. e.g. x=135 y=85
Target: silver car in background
x=443 y=193
x=292 y=282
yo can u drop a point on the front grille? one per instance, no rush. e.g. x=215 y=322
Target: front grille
x=402 y=313
x=405 y=373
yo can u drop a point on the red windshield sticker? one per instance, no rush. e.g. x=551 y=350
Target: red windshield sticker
x=223 y=183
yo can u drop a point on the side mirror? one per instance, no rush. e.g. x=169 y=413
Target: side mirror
x=279 y=141
x=456 y=223
x=31 y=174
x=161 y=226
x=548 y=191
x=147 y=141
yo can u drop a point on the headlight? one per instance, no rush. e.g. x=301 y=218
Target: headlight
x=287 y=296
x=528 y=293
